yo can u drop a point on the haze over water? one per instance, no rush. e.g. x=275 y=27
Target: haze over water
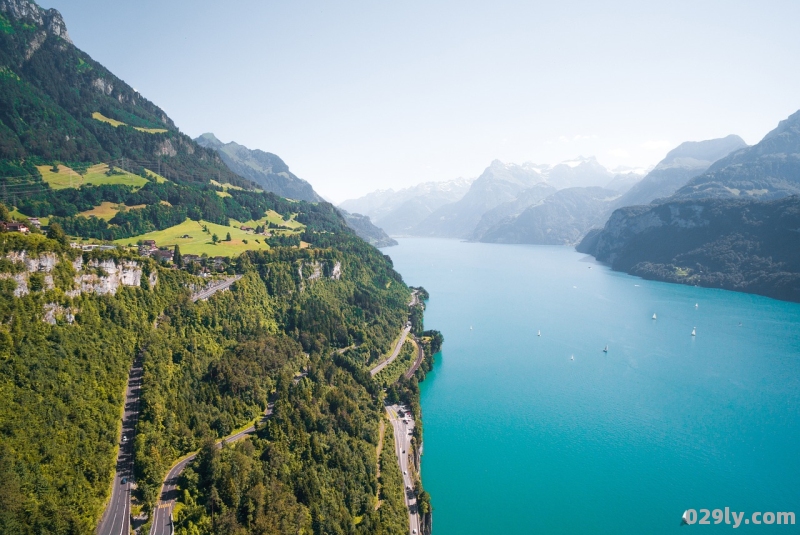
x=519 y=438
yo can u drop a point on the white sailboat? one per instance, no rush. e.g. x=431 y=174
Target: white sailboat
x=539 y=333
x=696 y=305
x=470 y=327
x=694 y=331
x=654 y=315
x=572 y=357
x=605 y=349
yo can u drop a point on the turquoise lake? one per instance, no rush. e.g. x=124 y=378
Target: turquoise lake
x=519 y=438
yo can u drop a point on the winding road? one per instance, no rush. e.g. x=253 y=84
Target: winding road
x=116 y=519
x=381 y=365
x=418 y=360
x=403 y=429
x=162 y=513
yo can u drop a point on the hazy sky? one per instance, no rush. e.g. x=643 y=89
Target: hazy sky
x=360 y=95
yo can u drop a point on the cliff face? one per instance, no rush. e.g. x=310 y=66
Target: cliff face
x=740 y=245
x=96 y=276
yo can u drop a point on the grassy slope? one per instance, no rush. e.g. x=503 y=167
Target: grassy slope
x=95 y=175
x=200 y=242
x=108 y=210
x=113 y=122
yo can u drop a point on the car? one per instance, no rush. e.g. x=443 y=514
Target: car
x=124 y=480
x=124 y=438
x=405 y=473
x=414 y=530
x=404 y=451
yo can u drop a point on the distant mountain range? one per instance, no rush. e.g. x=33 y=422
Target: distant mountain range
x=398 y=212
x=735 y=226
x=469 y=208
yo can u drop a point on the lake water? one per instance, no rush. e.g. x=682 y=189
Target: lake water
x=520 y=438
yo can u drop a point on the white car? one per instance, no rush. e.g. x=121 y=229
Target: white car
x=405 y=473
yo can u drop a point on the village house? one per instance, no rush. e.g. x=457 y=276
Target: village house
x=190 y=258
x=35 y=222
x=246 y=228
x=17 y=227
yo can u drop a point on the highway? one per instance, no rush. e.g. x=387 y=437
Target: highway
x=397 y=348
x=214 y=287
x=162 y=513
x=116 y=518
x=402 y=446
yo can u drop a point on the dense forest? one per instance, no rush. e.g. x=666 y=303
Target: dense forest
x=209 y=368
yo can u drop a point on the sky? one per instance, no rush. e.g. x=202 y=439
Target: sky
x=362 y=95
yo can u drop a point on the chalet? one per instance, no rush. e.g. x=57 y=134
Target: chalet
x=17 y=227
x=149 y=243
x=190 y=258
x=35 y=222
x=186 y=237
x=246 y=228
x=218 y=261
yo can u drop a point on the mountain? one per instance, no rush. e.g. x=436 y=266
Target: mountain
x=58 y=105
x=735 y=244
x=398 y=212
x=682 y=163
x=579 y=172
x=498 y=184
x=368 y=232
x=561 y=218
x=767 y=170
x=625 y=178
x=511 y=209
x=721 y=229
x=263 y=168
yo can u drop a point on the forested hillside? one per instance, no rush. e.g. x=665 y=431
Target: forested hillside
x=209 y=367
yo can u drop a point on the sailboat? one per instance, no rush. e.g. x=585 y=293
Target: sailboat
x=539 y=333
x=696 y=305
x=605 y=349
x=572 y=357
x=470 y=327
x=654 y=315
x=694 y=331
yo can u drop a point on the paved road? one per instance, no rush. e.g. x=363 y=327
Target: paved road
x=116 y=518
x=215 y=287
x=402 y=447
x=418 y=360
x=162 y=517
x=394 y=354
